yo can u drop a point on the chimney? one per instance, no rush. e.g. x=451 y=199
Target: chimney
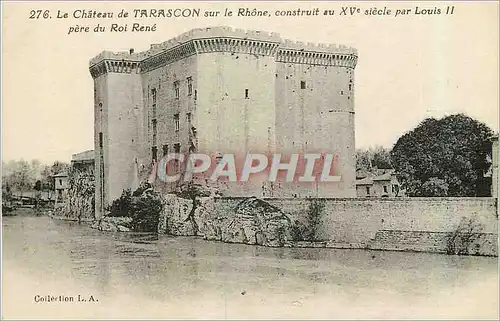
x=131 y=50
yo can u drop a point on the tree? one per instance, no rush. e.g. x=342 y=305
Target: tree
x=363 y=160
x=373 y=158
x=22 y=176
x=445 y=157
x=381 y=158
x=58 y=167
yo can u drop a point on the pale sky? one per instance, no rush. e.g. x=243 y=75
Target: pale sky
x=409 y=67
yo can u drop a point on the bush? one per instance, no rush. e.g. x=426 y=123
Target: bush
x=143 y=206
x=468 y=232
x=307 y=231
x=121 y=206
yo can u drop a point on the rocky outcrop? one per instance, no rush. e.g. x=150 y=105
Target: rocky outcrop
x=79 y=205
x=251 y=221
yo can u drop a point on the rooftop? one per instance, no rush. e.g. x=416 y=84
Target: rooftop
x=61 y=174
x=380 y=175
x=224 y=32
x=87 y=155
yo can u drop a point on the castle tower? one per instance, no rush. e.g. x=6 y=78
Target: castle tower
x=221 y=90
x=117 y=115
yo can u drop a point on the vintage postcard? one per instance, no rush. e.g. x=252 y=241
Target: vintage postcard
x=250 y=160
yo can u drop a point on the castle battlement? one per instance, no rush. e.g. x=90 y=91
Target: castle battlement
x=120 y=55
x=227 y=39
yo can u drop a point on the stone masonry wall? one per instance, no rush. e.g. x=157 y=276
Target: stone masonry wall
x=418 y=224
x=423 y=224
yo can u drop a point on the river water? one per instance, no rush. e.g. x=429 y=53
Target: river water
x=137 y=275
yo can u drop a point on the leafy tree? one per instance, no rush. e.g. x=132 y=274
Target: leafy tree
x=363 y=160
x=22 y=176
x=373 y=158
x=381 y=158
x=445 y=157
x=38 y=185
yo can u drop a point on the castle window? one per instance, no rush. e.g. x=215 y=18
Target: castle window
x=246 y=93
x=341 y=92
x=385 y=189
x=190 y=85
x=155 y=132
x=100 y=140
x=302 y=85
x=177 y=89
x=367 y=190
x=153 y=95
x=188 y=118
x=195 y=94
x=165 y=150
x=154 y=152
x=350 y=87
x=176 y=122
x=177 y=148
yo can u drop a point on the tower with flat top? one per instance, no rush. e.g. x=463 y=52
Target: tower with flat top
x=222 y=90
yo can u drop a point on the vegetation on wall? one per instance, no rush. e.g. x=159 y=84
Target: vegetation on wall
x=308 y=229
x=466 y=235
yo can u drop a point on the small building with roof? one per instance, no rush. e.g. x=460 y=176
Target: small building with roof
x=381 y=183
x=61 y=185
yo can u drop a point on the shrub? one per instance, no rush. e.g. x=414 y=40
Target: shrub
x=465 y=235
x=307 y=231
x=143 y=206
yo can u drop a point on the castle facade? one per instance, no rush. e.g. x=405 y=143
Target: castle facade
x=219 y=90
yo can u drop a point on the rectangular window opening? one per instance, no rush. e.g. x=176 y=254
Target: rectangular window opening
x=302 y=85
x=155 y=130
x=153 y=95
x=176 y=122
x=177 y=90
x=100 y=140
x=246 y=93
x=154 y=152
x=190 y=86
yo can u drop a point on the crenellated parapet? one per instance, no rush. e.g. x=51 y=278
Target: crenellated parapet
x=316 y=58
x=236 y=45
x=168 y=56
x=114 y=66
x=224 y=39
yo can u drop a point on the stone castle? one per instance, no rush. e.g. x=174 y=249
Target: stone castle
x=221 y=90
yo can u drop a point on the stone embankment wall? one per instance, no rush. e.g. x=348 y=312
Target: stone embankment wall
x=442 y=225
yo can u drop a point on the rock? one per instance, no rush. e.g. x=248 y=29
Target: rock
x=122 y=228
x=260 y=238
x=252 y=221
x=79 y=205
